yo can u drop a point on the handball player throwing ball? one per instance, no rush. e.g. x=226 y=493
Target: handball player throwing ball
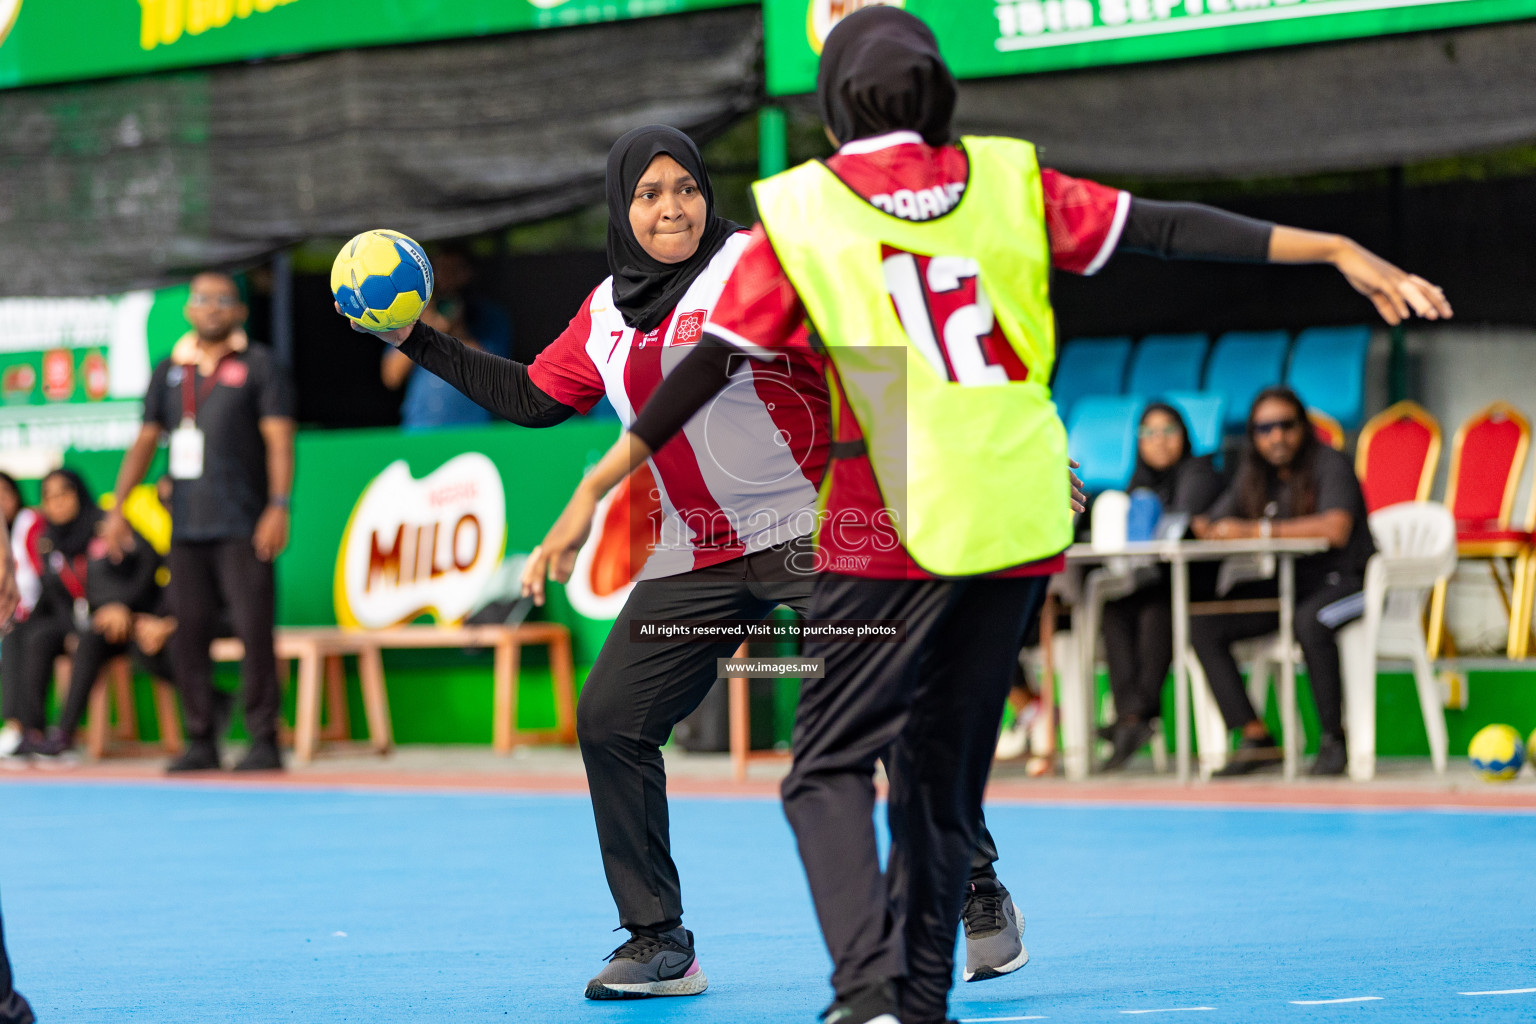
x=923 y=265
x=738 y=493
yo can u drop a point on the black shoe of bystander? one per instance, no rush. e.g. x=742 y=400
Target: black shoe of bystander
x=200 y=756
x=1131 y=735
x=223 y=710
x=1251 y=755
x=1332 y=757
x=262 y=757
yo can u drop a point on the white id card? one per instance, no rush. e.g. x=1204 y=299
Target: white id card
x=186 y=452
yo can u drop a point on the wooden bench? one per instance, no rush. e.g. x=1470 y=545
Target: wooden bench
x=115 y=686
x=319 y=652
x=507 y=643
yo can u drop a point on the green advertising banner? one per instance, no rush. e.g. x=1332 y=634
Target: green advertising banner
x=66 y=40
x=73 y=371
x=984 y=38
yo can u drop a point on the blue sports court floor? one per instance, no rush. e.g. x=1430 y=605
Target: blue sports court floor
x=197 y=903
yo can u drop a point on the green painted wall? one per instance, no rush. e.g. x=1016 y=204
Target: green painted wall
x=445 y=696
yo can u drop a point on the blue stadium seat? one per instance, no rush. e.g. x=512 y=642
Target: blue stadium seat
x=1089 y=366
x=1202 y=415
x=1328 y=371
x=1102 y=436
x=1243 y=364
x=1167 y=362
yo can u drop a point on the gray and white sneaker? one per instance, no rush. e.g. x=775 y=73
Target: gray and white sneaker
x=994 y=934
x=10 y=739
x=648 y=965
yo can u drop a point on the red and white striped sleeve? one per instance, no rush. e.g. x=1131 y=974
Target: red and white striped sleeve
x=564 y=370
x=759 y=311
x=1084 y=219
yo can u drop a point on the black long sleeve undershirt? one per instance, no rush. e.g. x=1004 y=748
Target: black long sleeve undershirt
x=1176 y=231
x=499 y=385
x=1193 y=231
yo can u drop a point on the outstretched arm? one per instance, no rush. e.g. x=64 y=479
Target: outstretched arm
x=697 y=379
x=500 y=385
x=555 y=558
x=1395 y=293
x=1193 y=231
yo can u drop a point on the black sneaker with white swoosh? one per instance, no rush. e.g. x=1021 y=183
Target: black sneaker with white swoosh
x=650 y=965
x=873 y=1004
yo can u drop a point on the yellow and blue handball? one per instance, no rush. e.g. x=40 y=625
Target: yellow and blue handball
x=1497 y=753
x=382 y=280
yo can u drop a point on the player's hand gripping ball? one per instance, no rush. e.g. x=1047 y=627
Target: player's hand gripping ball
x=382 y=280
x=1497 y=753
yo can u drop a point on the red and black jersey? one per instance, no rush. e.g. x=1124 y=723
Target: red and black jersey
x=760 y=312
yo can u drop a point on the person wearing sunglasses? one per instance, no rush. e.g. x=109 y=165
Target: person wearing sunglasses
x=1288 y=484
x=1138 y=628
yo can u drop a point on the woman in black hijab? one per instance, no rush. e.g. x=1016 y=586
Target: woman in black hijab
x=668 y=251
x=85 y=594
x=888 y=102
x=651 y=274
x=886 y=76
x=1138 y=628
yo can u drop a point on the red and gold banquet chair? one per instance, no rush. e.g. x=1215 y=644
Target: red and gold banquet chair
x=1396 y=455
x=1328 y=430
x=1487 y=461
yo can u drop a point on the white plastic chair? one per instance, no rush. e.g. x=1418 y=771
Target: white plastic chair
x=1416 y=548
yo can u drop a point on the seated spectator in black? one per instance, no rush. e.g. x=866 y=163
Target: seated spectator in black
x=85 y=609
x=1138 y=628
x=1288 y=485
x=24 y=527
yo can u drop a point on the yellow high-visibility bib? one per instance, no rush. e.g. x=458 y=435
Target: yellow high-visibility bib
x=972 y=464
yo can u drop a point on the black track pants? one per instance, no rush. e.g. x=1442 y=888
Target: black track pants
x=931 y=706
x=205 y=577
x=27 y=662
x=1212 y=637
x=1138 y=646
x=633 y=697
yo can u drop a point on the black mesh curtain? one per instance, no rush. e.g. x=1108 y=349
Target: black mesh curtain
x=132 y=183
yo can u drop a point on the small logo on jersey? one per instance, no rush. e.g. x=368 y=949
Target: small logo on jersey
x=173 y=376
x=822 y=16
x=233 y=372
x=689 y=327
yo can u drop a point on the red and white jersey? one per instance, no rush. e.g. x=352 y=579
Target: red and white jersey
x=760 y=312
x=25 y=532
x=742 y=474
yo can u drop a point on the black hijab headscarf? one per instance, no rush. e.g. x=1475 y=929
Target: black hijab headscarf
x=72 y=538
x=645 y=289
x=1163 y=482
x=881 y=72
x=9 y=482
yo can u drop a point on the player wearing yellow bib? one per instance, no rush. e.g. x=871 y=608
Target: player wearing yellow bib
x=931 y=307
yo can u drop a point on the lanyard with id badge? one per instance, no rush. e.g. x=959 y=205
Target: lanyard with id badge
x=187 y=440
x=73 y=578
